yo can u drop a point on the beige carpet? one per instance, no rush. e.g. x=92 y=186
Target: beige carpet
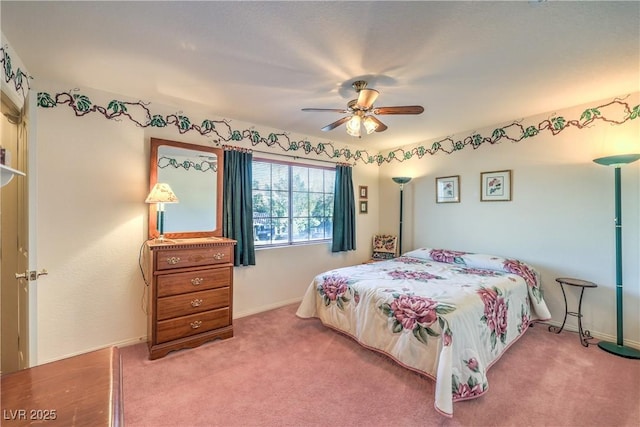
x=280 y=370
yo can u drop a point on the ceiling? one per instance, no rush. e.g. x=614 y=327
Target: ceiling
x=470 y=64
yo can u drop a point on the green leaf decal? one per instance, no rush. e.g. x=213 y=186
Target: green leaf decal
x=589 y=114
x=184 y=123
x=255 y=137
x=498 y=134
x=45 y=100
x=7 y=65
x=117 y=107
x=208 y=125
x=558 y=123
x=158 y=121
x=531 y=131
x=82 y=102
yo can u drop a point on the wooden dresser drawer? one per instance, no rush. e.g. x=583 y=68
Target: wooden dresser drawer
x=191 y=303
x=190 y=293
x=182 y=258
x=179 y=283
x=190 y=325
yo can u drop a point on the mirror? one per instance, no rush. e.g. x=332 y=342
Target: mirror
x=194 y=173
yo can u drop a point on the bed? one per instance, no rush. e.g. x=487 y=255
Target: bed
x=446 y=314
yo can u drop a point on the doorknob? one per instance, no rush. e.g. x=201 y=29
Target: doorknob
x=31 y=275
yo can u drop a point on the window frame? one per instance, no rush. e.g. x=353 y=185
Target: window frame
x=290 y=164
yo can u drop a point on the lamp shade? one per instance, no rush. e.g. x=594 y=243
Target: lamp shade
x=617 y=161
x=369 y=124
x=161 y=193
x=401 y=179
x=353 y=125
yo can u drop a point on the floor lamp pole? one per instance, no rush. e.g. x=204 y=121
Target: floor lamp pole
x=400 y=235
x=402 y=180
x=618 y=348
x=618 y=204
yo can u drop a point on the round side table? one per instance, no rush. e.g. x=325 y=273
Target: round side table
x=585 y=336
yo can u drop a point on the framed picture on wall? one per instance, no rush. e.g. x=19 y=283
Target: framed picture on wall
x=448 y=189
x=364 y=191
x=364 y=208
x=495 y=186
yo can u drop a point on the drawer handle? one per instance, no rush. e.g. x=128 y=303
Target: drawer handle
x=197 y=281
x=173 y=260
x=218 y=256
x=196 y=302
x=196 y=324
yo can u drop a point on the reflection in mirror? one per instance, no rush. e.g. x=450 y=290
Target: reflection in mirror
x=194 y=173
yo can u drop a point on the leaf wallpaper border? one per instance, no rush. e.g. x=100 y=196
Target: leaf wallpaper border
x=19 y=78
x=220 y=131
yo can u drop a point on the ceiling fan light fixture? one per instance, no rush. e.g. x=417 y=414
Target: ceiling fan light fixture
x=353 y=125
x=360 y=112
x=369 y=124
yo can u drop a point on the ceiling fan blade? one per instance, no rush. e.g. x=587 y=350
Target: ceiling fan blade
x=326 y=110
x=335 y=124
x=366 y=98
x=381 y=126
x=405 y=109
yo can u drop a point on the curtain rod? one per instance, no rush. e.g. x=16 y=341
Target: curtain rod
x=287 y=155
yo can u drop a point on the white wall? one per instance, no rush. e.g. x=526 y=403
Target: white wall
x=560 y=219
x=92 y=221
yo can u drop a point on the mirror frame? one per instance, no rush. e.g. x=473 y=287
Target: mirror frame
x=153 y=179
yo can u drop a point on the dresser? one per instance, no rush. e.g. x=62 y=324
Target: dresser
x=190 y=292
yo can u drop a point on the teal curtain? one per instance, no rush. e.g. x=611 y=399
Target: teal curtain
x=237 y=206
x=344 y=211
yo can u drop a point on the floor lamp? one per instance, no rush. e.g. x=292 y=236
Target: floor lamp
x=402 y=180
x=618 y=348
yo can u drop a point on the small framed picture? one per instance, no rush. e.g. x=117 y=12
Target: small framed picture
x=495 y=186
x=364 y=206
x=364 y=191
x=448 y=189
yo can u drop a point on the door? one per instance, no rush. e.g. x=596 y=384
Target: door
x=14 y=295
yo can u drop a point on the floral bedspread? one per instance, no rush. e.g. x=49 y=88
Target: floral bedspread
x=446 y=314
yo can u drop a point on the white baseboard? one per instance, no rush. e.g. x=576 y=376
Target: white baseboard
x=123 y=343
x=597 y=335
x=266 y=308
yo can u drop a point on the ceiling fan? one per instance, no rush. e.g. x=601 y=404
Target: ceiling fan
x=361 y=111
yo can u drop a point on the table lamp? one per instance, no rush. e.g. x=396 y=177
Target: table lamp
x=160 y=194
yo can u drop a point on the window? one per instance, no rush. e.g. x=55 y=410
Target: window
x=292 y=203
